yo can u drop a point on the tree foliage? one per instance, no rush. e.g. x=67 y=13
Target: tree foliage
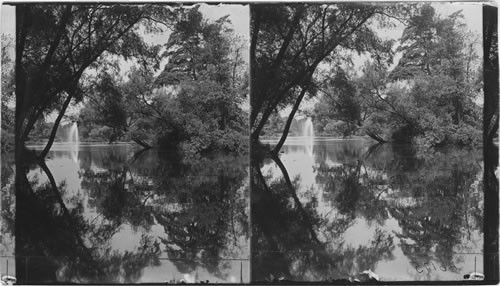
x=439 y=57
x=8 y=88
x=196 y=100
x=56 y=44
x=200 y=49
x=430 y=96
x=289 y=42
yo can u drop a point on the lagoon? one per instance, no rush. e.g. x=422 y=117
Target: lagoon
x=120 y=214
x=351 y=206
x=124 y=215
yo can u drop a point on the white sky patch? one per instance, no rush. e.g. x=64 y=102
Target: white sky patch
x=239 y=15
x=8 y=20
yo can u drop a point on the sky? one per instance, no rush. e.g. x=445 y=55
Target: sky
x=238 y=14
x=8 y=19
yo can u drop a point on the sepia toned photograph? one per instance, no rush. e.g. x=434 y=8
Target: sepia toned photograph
x=249 y=143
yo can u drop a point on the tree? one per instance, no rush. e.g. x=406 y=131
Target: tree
x=198 y=96
x=442 y=68
x=194 y=102
x=198 y=49
x=8 y=87
x=427 y=98
x=288 y=43
x=56 y=44
x=105 y=107
x=340 y=101
x=364 y=104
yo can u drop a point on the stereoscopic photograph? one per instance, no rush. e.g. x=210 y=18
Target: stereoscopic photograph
x=249 y=143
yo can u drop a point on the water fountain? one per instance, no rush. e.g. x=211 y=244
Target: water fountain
x=74 y=140
x=308 y=129
x=73 y=134
x=308 y=135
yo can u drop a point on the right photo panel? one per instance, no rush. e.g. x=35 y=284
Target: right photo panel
x=366 y=126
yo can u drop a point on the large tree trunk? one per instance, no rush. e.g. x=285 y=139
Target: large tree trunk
x=54 y=128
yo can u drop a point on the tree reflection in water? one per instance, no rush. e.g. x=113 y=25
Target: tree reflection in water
x=294 y=240
x=434 y=197
x=188 y=210
x=447 y=207
x=69 y=237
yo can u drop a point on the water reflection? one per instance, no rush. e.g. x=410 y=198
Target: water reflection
x=121 y=216
x=403 y=213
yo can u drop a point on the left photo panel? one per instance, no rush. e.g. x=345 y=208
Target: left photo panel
x=125 y=143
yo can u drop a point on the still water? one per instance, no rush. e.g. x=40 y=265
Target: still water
x=330 y=209
x=325 y=209
x=119 y=215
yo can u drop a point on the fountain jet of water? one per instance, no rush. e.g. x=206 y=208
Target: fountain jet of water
x=73 y=137
x=308 y=135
